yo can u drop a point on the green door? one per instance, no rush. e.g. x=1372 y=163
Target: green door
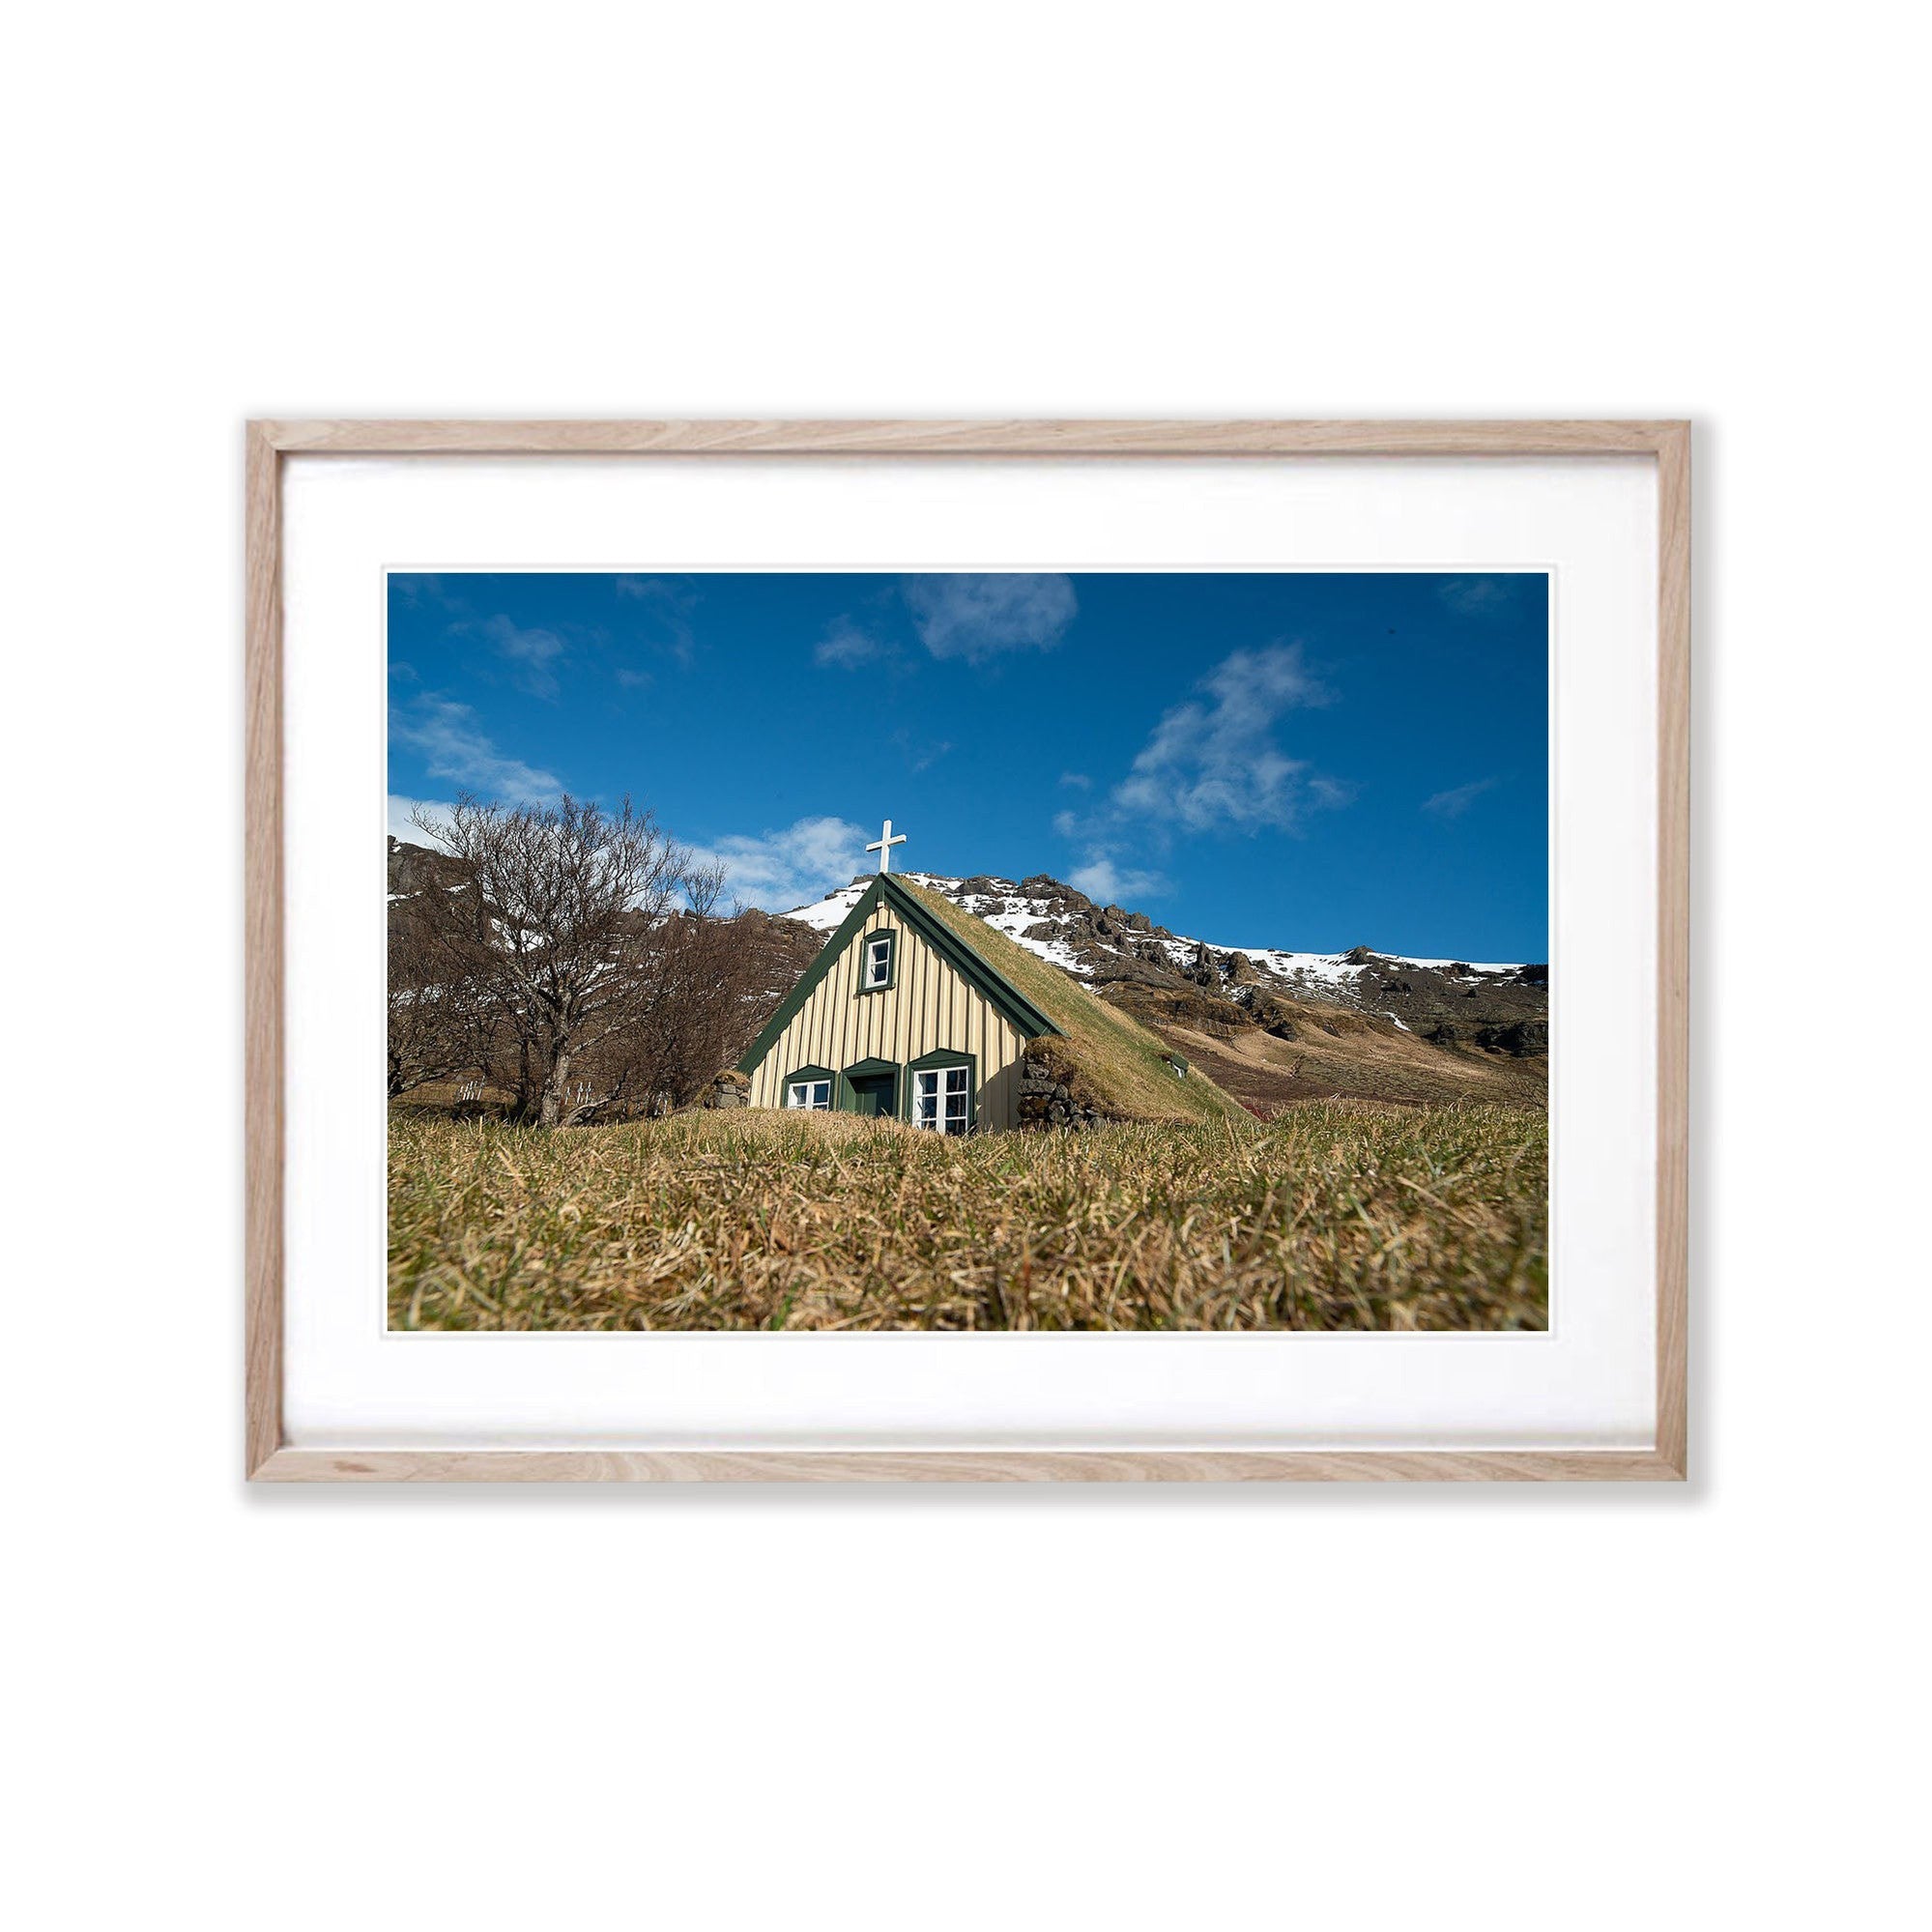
x=872 y=1093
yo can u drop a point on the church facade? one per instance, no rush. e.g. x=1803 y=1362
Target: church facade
x=899 y=1016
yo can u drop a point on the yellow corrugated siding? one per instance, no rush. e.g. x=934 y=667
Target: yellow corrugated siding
x=930 y=1009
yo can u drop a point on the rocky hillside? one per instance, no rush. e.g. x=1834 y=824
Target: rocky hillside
x=414 y=869
x=1270 y=1024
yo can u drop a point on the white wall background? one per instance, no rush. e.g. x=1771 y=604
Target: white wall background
x=1335 y=1709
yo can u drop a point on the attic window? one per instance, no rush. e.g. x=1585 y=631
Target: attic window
x=876 y=976
x=815 y=1096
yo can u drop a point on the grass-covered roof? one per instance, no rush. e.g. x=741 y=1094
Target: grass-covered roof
x=1118 y=1064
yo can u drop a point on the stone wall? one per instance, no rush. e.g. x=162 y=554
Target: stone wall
x=1048 y=1101
x=731 y=1088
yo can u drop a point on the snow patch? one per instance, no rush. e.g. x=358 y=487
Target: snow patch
x=1464 y=968
x=1315 y=972
x=1322 y=969
x=827 y=914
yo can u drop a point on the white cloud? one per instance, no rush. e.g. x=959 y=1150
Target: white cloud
x=1473 y=594
x=847 y=647
x=1213 y=761
x=781 y=870
x=1453 y=803
x=921 y=753
x=979 y=616
x=423 y=590
x=1078 y=780
x=402 y=818
x=531 y=650
x=664 y=624
x=453 y=746
x=1099 y=879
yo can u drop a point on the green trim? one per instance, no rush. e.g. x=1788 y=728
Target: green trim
x=891 y=939
x=865 y=1068
x=811 y=1074
x=988 y=981
x=938 y=1059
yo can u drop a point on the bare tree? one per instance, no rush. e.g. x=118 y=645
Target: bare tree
x=690 y=1017
x=592 y=939
x=443 y=1016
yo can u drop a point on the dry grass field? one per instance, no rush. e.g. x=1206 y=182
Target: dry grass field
x=1340 y=1215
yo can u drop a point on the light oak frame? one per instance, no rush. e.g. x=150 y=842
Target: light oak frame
x=269 y=1459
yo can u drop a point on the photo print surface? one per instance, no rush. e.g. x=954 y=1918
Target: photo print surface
x=965 y=952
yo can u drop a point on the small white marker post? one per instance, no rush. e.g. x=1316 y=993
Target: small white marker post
x=883 y=845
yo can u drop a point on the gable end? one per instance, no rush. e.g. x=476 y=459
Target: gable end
x=992 y=984
x=985 y=978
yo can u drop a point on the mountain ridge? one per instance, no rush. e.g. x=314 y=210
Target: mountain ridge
x=1273 y=1025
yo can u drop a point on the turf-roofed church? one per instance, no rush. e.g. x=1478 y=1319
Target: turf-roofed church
x=900 y=1015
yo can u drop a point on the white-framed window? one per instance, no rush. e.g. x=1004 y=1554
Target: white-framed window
x=939 y=1099
x=815 y=1096
x=878 y=974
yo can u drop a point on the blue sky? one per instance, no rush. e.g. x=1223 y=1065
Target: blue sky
x=1306 y=761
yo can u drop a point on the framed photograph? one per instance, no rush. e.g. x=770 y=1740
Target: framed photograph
x=967 y=951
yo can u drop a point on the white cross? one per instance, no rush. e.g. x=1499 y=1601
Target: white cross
x=883 y=845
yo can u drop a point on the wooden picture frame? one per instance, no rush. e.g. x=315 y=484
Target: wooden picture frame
x=269 y=1458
